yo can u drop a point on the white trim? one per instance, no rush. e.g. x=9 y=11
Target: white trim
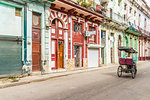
x=95 y=46
x=71 y=34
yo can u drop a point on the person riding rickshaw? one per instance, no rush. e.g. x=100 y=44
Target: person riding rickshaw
x=127 y=64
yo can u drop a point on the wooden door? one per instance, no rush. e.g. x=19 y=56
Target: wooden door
x=36 y=42
x=60 y=54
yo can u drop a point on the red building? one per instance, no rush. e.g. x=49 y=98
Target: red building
x=74 y=36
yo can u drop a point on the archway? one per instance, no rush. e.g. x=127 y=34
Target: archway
x=57 y=43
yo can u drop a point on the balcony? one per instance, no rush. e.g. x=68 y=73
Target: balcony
x=116 y=20
x=145 y=33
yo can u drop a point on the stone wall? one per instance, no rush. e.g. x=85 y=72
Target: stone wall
x=70 y=64
x=85 y=63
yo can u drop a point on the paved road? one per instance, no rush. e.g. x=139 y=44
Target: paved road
x=96 y=85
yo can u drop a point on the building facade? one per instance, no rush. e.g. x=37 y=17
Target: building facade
x=22 y=36
x=74 y=36
x=112 y=31
x=126 y=18
x=11 y=37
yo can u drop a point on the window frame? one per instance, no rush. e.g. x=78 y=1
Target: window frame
x=95 y=36
x=78 y=27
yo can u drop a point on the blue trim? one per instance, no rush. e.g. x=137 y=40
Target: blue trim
x=25 y=33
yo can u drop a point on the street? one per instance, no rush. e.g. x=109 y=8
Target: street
x=95 y=85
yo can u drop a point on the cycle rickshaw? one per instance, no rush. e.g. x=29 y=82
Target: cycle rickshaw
x=127 y=64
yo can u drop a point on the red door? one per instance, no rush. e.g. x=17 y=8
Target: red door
x=57 y=35
x=36 y=42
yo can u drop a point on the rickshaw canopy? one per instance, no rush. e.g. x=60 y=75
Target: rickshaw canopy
x=127 y=49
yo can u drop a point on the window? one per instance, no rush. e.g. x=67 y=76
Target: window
x=93 y=36
x=130 y=9
x=135 y=44
x=131 y=42
x=124 y=17
x=125 y=6
x=17 y=11
x=110 y=13
x=103 y=37
x=139 y=18
x=134 y=13
x=145 y=24
x=77 y=27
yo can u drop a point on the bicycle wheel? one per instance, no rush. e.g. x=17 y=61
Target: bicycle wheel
x=119 y=71
x=133 y=72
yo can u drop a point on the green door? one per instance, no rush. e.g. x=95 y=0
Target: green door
x=10 y=57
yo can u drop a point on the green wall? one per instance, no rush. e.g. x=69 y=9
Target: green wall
x=130 y=40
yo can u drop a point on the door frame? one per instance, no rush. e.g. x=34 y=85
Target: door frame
x=57 y=39
x=35 y=28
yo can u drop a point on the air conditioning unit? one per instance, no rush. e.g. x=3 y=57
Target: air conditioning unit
x=87 y=34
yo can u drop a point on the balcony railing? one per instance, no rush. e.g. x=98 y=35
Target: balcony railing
x=145 y=32
x=118 y=18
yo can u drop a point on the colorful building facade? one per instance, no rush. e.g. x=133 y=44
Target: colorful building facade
x=74 y=37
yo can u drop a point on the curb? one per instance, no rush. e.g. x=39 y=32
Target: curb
x=51 y=76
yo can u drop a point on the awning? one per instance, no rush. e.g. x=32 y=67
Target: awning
x=132 y=31
x=127 y=49
x=95 y=46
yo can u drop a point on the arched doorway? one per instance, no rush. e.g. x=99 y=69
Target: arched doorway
x=57 y=43
x=119 y=44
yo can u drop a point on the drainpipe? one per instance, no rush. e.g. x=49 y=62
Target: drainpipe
x=25 y=32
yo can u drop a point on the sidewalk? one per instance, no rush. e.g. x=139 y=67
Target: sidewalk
x=38 y=78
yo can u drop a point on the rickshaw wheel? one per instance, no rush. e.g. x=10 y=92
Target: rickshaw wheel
x=119 y=71
x=133 y=72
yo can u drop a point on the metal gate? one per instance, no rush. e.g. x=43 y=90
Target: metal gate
x=10 y=56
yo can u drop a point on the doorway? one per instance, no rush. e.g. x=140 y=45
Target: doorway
x=102 y=55
x=60 y=54
x=57 y=43
x=77 y=56
x=36 y=42
x=119 y=44
x=112 y=48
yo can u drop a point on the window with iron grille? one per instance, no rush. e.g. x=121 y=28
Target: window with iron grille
x=77 y=27
x=103 y=37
